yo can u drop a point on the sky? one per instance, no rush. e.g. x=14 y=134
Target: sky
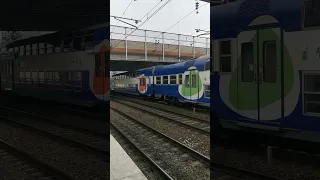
x=166 y=17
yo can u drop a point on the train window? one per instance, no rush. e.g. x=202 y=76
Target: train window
x=225 y=64
x=269 y=61
x=247 y=62
x=37 y=48
x=187 y=81
x=56 y=77
x=34 y=76
x=21 y=51
x=312 y=13
x=311 y=93
x=180 y=78
x=57 y=49
x=312 y=103
x=49 y=48
x=48 y=77
x=28 y=48
x=28 y=77
x=79 y=76
x=207 y=65
x=70 y=77
x=34 y=49
x=225 y=56
x=24 y=50
x=41 y=76
x=194 y=81
x=225 y=47
x=173 y=79
x=21 y=76
x=165 y=80
x=312 y=83
x=98 y=71
x=158 y=80
x=207 y=91
x=41 y=48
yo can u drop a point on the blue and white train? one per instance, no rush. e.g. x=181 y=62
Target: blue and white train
x=266 y=68
x=188 y=81
x=68 y=67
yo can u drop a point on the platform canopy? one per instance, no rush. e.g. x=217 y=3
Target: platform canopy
x=51 y=15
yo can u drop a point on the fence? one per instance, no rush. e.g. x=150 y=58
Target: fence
x=162 y=45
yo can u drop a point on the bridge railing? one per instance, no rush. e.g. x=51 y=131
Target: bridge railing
x=155 y=45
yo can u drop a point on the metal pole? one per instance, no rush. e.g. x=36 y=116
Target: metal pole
x=179 y=48
x=193 y=49
x=207 y=46
x=126 y=42
x=145 y=46
x=162 y=46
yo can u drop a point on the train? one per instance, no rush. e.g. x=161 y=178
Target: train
x=184 y=82
x=66 y=67
x=266 y=70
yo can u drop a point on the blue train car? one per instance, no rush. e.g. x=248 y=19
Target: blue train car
x=267 y=67
x=181 y=82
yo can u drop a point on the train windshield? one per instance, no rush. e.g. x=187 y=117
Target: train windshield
x=311 y=13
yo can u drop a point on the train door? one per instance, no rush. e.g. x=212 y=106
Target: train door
x=259 y=74
x=191 y=85
x=101 y=82
x=7 y=70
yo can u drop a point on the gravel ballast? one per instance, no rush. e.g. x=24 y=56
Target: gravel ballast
x=194 y=140
x=10 y=170
x=76 y=162
x=279 y=169
x=136 y=157
x=78 y=121
x=168 y=155
x=164 y=106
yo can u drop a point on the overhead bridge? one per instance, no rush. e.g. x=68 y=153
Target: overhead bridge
x=120 y=65
x=145 y=48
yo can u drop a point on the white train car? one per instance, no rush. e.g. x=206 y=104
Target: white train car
x=76 y=73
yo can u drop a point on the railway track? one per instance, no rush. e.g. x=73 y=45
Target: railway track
x=187 y=113
x=149 y=141
x=201 y=126
x=92 y=115
x=159 y=101
x=92 y=141
x=161 y=148
x=35 y=168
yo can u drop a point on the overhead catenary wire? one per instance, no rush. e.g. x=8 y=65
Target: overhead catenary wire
x=121 y=16
x=154 y=13
x=151 y=10
x=170 y=26
x=182 y=20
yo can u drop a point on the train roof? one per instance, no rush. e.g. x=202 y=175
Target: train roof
x=229 y=19
x=126 y=73
x=182 y=66
x=56 y=37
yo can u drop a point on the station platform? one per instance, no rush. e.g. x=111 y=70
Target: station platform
x=121 y=165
